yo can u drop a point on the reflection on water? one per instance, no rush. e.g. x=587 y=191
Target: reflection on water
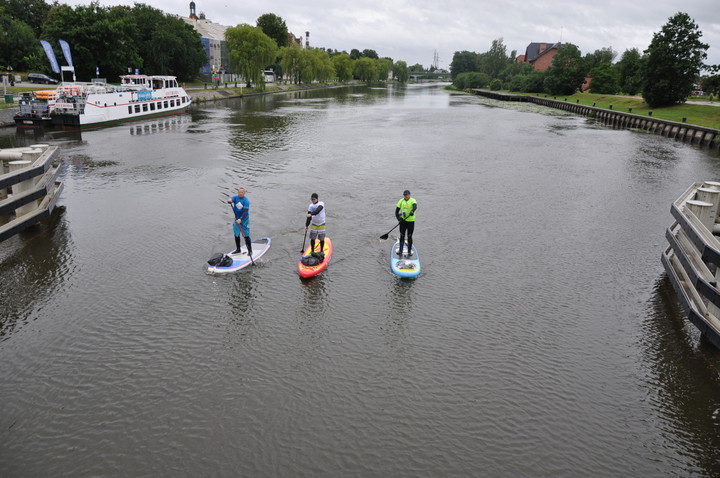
x=36 y=265
x=684 y=378
x=160 y=125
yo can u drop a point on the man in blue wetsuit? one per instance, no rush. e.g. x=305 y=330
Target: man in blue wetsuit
x=241 y=226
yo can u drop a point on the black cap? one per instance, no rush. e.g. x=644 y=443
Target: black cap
x=407 y=191
x=313 y=196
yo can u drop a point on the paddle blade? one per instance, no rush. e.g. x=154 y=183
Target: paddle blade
x=384 y=236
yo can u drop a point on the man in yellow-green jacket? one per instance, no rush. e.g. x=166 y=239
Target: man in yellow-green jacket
x=405 y=213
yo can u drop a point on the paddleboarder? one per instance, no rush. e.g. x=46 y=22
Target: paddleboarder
x=241 y=226
x=316 y=221
x=405 y=214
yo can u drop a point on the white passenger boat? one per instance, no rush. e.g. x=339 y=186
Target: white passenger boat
x=82 y=105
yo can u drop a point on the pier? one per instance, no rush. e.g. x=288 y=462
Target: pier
x=687 y=133
x=692 y=260
x=29 y=188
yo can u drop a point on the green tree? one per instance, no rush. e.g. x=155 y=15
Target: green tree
x=400 y=71
x=32 y=12
x=366 y=53
x=672 y=62
x=599 y=57
x=496 y=59
x=567 y=72
x=274 y=27
x=355 y=54
x=471 y=79
x=169 y=45
x=384 y=67
x=250 y=51
x=19 y=48
x=343 y=67
x=365 y=70
x=290 y=61
x=496 y=84
x=416 y=68
x=629 y=72
x=322 y=68
x=462 y=62
x=102 y=37
x=604 y=79
x=711 y=85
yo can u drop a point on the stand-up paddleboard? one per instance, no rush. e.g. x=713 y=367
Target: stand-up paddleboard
x=405 y=266
x=306 y=271
x=242 y=259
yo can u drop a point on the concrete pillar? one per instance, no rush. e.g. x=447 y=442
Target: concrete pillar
x=713 y=197
x=703 y=211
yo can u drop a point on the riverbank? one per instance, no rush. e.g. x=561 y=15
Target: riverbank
x=681 y=130
x=201 y=94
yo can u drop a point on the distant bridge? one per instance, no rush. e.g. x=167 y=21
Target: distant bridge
x=426 y=76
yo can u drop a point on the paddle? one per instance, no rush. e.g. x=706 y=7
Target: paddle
x=302 y=251
x=242 y=233
x=385 y=236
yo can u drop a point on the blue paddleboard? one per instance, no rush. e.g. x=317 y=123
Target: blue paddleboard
x=241 y=260
x=407 y=265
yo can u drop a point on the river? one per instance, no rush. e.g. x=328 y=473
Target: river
x=541 y=339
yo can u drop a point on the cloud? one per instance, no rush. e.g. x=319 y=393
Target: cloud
x=413 y=31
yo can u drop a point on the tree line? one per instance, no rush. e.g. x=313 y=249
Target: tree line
x=666 y=73
x=119 y=39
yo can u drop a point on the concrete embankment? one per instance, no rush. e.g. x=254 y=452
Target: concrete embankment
x=698 y=135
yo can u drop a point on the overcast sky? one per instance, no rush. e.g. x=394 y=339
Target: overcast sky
x=413 y=31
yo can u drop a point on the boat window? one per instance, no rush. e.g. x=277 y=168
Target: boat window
x=145 y=107
x=129 y=110
x=152 y=106
x=166 y=104
x=159 y=105
x=137 y=108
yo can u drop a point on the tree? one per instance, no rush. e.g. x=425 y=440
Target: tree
x=370 y=54
x=629 y=72
x=599 y=57
x=384 y=67
x=604 y=79
x=365 y=70
x=416 y=68
x=31 y=12
x=673 y=62
x=290 y=61
x=169 y=45
x=711 y=85
x=98 y=37
x=343 y=66
x=20 y=48
x=274 y=27
x=400 y=71
x=250 y=51
x=496 y=59
x=567 y=72
x=471 y=79
x=463 y=61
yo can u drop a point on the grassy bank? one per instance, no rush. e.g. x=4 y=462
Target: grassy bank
x=694 y=113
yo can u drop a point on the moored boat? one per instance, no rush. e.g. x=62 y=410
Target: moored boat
x=82 y=105
x=34 y=109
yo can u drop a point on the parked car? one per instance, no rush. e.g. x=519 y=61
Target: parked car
x=40 y=78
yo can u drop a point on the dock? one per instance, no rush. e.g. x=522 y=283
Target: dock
x=692 y=259
x=29 y=187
